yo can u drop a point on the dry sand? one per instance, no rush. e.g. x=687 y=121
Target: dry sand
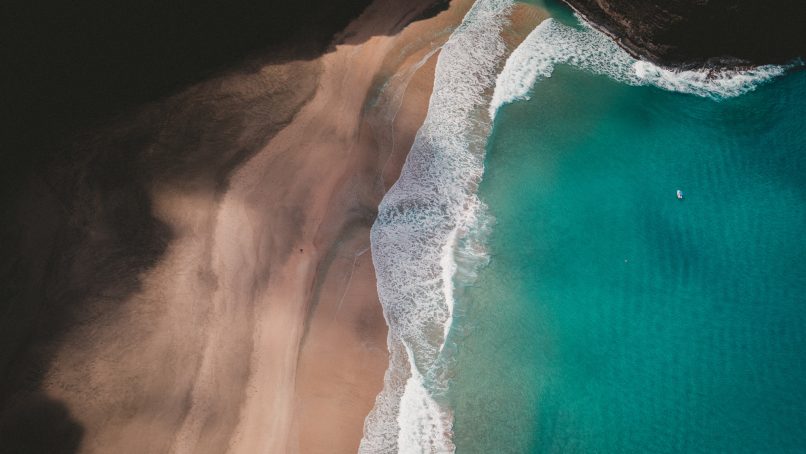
x=259 y=330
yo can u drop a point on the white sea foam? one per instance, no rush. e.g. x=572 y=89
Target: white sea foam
x=552 y=43
x=415 y=236
x=448 y=265
x=423 y=238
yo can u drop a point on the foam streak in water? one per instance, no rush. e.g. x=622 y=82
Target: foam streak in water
x=415 y=236
x=552 y=43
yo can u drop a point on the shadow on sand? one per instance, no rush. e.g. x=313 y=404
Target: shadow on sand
x=78 y=225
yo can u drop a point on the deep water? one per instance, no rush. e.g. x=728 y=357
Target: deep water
x=614 y=318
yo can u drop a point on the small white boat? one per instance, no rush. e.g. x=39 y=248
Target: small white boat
x=679 y=194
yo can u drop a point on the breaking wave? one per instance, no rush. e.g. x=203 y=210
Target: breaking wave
x=421 y=222
x=425 y=235
x=552 y=43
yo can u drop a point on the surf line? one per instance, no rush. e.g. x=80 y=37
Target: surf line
x=417 y=231
x=552 y=43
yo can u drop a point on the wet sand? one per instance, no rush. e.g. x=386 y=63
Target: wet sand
x=206 y=259
x=259 y=328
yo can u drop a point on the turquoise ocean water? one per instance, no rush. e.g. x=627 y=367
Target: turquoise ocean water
x=614 y=318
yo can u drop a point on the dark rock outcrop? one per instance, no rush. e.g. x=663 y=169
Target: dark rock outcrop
x=690 y=33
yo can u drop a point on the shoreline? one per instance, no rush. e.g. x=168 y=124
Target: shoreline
x=420 y=218
x=344 y=354
x=259 y=328
x=203 y=267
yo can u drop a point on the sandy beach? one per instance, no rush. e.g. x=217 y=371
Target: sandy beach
x=212 y=288
x=188 y=193
x=259 y=329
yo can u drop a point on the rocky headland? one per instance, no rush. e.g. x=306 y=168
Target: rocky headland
x=696 y=33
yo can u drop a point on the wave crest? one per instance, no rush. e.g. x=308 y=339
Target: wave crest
x=552 y=43
x=419 y=226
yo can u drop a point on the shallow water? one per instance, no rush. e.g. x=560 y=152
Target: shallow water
x=615 y=318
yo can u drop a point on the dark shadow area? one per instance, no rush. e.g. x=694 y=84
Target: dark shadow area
x=105 y=100
x=40 y=426
x=68 y=65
